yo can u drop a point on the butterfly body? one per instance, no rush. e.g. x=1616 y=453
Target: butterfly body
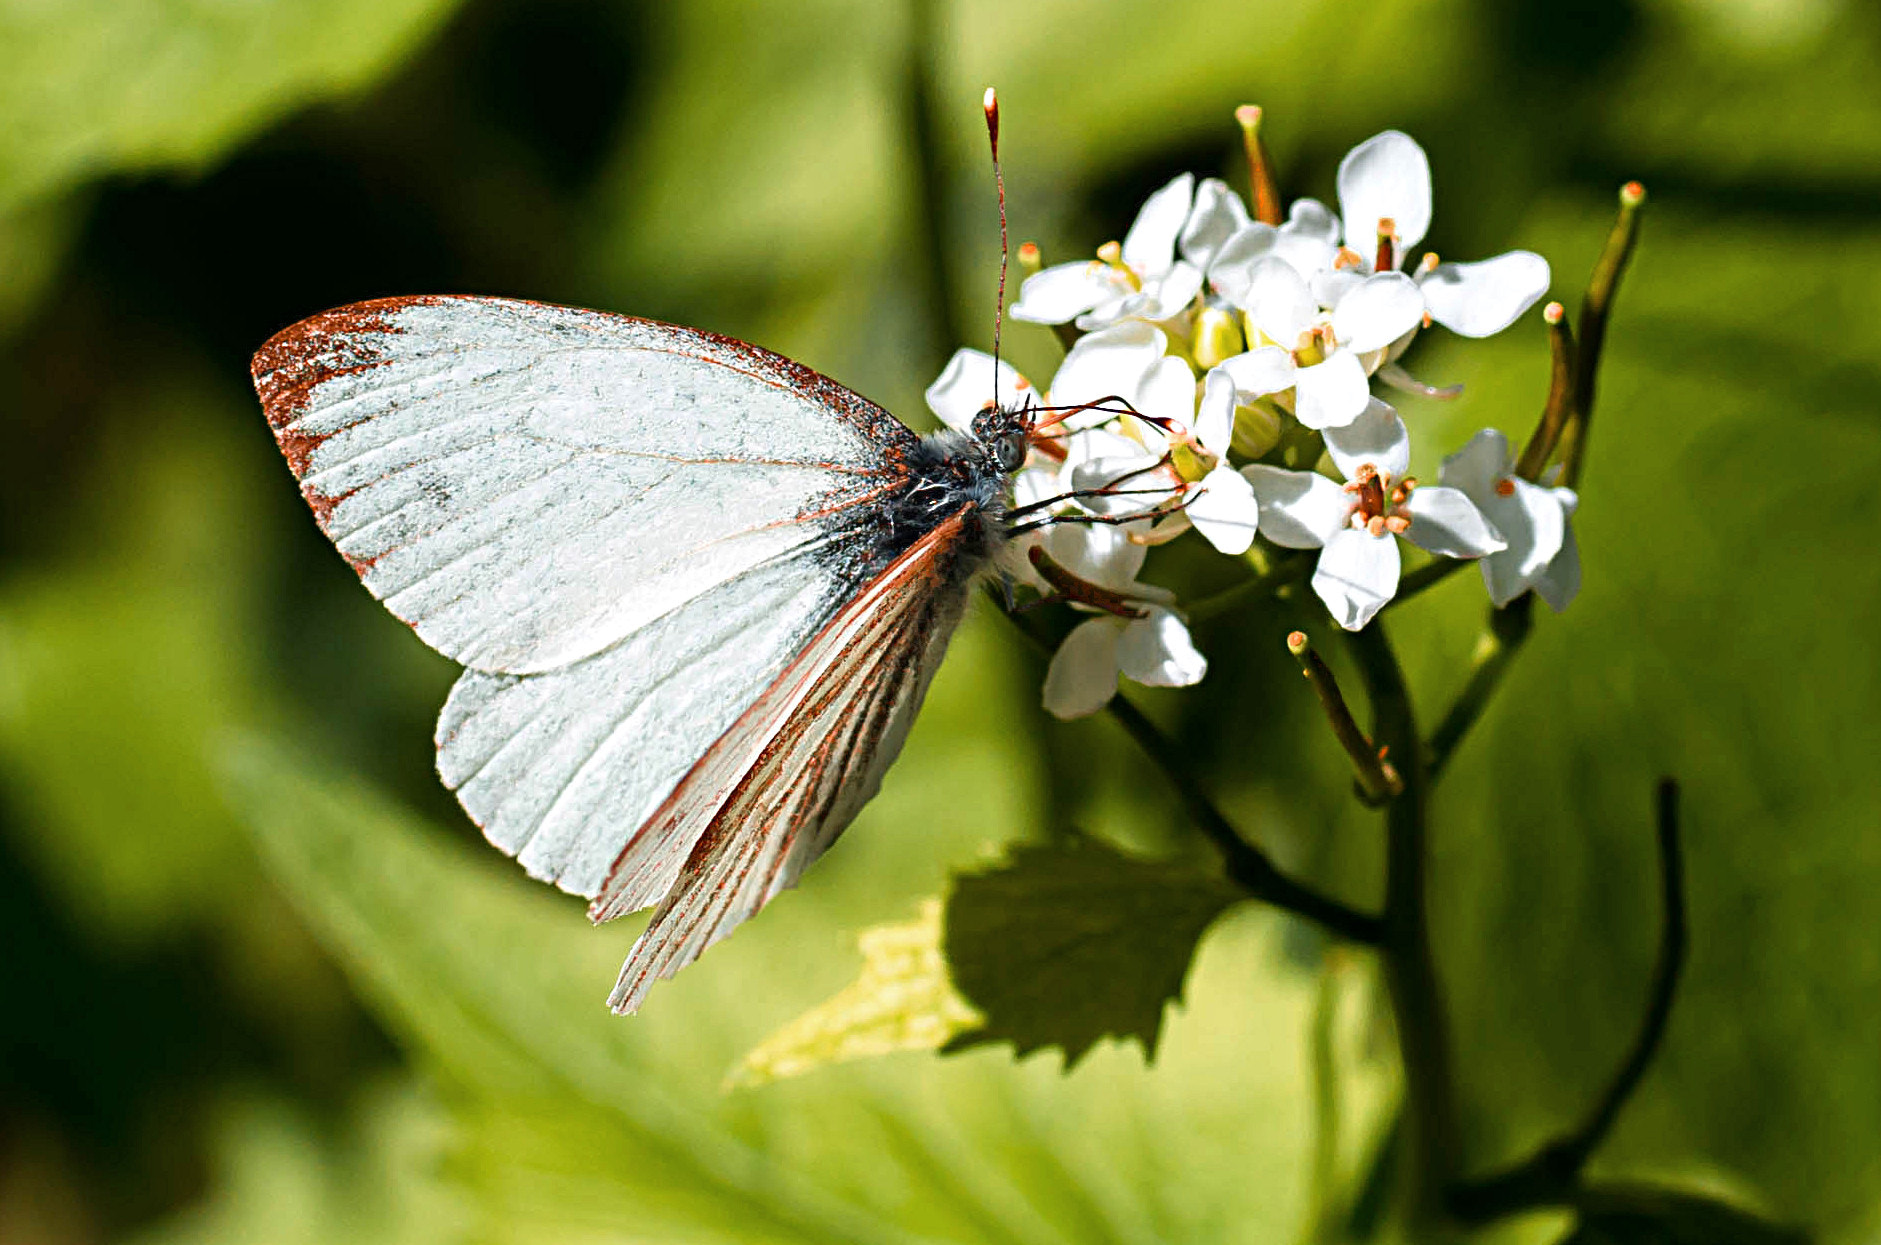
x=699 y=590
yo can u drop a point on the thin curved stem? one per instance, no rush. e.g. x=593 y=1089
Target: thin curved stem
x=1246 y=864
x=1496 y=649
x=1551 y=1176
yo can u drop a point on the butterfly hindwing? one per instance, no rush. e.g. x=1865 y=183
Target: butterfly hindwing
x=786 y=779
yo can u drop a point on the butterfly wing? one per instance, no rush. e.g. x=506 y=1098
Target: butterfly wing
x=527 y=484
x=785 y=780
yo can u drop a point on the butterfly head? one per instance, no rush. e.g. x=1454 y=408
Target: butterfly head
x=1005 y=432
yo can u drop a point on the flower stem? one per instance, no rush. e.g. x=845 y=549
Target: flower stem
x=1430 y=1131
x=1501 y=640
x=1378 y=780
x=1551 y=1176
x=1595 y=308
x=1264 y=191
x=1561 y=395
x=1286 y=570
x=1427 y=576
x=1246 y=864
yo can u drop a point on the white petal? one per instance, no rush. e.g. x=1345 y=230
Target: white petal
x=1279 y=302
x=1309 y=218
x=1214 y=418
x=1098 y=553
x=1479 y=466
x=1261 y=371
x=1224 y=511
x=1309 y=255
x=1377 y=311
x=1218 y=215
x=1171 y=294
x=1156 y=651
x=1332 y=285
x=1150 y=246
x=1092 y=443
x=1446 y=522
x=1357 y=574
x=1298 y=509
x=1083 y=674
x=1064 y=291
x=966 y=385
x=1483 y=298
x=1232 y=270
x=1377 y=437
x=1560 y=583
x=1134 y=472
x=1109 y=363
x=1167 y=392
x=1331 y=394
x=1128 y=305
x=1034 y=485
x=1531 y=521
x=1386 y=177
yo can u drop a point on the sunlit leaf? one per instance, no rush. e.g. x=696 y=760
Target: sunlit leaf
x=902 y=1001
x=92 y=86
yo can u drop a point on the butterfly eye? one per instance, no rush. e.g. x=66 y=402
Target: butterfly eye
x=1010 y=450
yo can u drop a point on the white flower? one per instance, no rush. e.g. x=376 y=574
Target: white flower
x=1324 y=349
x=1542 y=553
x=1385 y=200
x=973 y=381
x=1140 y=279
x=1152 y=647
x=1354 y=524
x=1179 y=451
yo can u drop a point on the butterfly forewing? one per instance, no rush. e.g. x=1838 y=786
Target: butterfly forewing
x=778 y=787
x=528 y=484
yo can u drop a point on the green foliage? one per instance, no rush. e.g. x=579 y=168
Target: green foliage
x=903 y=1000
x=569 y=1121
x=1068 y=942
x=91 y=86
x=1648 y=1216
x=757 y=179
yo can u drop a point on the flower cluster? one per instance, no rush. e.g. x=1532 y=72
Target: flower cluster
x=1218 y=360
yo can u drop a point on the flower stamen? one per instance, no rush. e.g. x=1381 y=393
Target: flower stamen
x=1387 y=245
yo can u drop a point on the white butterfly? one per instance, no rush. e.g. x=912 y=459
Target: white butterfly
x=700 y=589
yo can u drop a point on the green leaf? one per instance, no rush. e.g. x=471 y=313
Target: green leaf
x=1067 y=943
x=91 y=86
x=1642 y=1215
x=903 y=1000
x=574 y=1124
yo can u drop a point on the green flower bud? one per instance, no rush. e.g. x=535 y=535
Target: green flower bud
x=1217 y=336
x=1257 y=427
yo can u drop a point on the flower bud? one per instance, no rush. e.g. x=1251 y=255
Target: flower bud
x=1257 y=427
x=1217 y=336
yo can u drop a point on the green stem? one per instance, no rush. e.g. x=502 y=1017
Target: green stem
x=1552 y=1175
x=1430 y=1132
x=1426 y=577
x=1501 y=640
x=1246 y=864
x=1289 y=569
x=1595 y=308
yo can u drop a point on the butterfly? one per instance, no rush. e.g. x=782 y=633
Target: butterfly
x=699 y=590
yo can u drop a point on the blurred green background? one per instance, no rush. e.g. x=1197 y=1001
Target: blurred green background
x=282 y=992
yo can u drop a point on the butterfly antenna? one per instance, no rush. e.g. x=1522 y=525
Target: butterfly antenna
x=991 y=105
